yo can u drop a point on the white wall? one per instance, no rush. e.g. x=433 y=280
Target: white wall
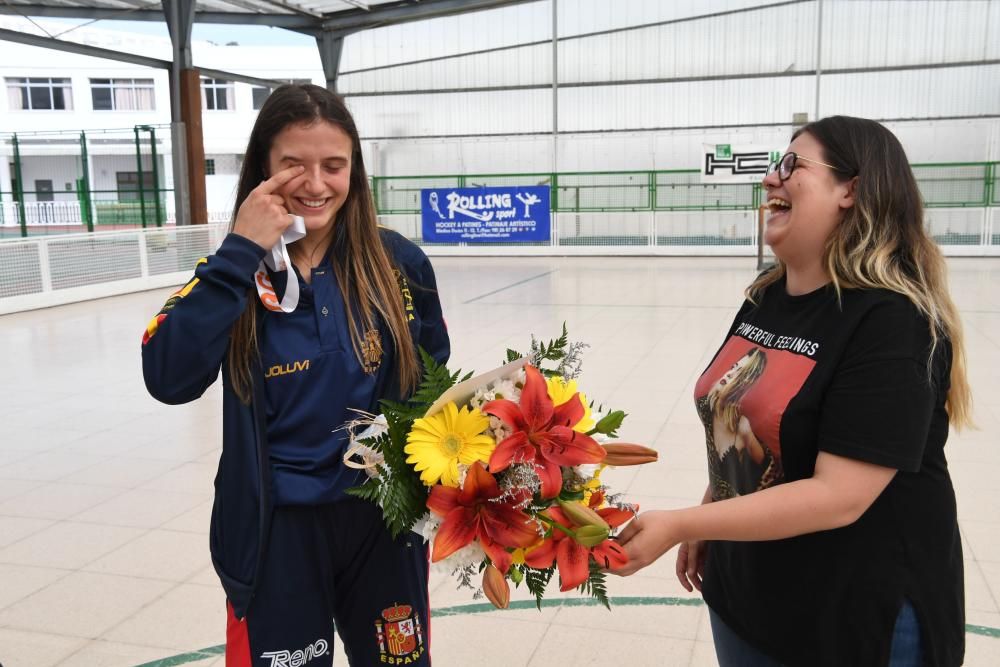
x=60 y=170
x=925 y=142
x=5 y=176
x=592 y=118
x=855 y=34
x=220 y=192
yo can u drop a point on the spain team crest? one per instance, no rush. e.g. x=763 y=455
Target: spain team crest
x=400 y=636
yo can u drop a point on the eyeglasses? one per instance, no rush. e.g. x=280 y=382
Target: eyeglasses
x=786 y=165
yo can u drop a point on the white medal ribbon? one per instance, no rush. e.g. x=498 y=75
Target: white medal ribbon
x=277 y=260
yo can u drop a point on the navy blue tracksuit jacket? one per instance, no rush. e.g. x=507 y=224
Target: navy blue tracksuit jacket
x=186 y=345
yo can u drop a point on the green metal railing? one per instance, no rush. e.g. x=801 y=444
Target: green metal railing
x=955 y=185
x=105 y=180
x=90 y=199
x=993 y=181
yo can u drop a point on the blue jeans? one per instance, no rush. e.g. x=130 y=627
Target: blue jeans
x=906 y=639
x=732 y=651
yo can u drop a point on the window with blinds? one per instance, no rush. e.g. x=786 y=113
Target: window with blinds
x=122 y=94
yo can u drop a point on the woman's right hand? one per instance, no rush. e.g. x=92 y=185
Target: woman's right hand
x=262 y=217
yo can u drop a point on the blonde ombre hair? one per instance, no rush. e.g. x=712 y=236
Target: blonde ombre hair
x=881 y=241
x=725 y=401
x=365 y=271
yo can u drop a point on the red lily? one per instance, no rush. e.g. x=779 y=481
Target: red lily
x=542 y=434
x=473 y=512
x=573 y=558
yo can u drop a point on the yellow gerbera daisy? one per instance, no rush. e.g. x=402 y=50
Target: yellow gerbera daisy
x=436 y=445
x=561 y=391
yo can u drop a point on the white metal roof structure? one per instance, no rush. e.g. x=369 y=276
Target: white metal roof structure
x=328 y=21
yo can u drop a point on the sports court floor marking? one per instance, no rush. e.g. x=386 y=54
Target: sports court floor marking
x=480 y=608
x=507 y=287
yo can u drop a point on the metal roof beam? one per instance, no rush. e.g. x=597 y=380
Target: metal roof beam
x=242 y=78
x=122 y=56
x=287 y=21
x=137 y=4
x=331 y=46
x=293 y=8
x=82 y=49
x=663 y=128
x=675 y=79
x=179 y=15
x=403 y=12
x=342 y=22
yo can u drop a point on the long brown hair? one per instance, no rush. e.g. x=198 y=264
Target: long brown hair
x=364 y=270
x=881 y=241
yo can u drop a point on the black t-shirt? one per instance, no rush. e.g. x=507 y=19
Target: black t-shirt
x=803 y=374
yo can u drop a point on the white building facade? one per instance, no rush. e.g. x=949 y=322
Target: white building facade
x=52 y=96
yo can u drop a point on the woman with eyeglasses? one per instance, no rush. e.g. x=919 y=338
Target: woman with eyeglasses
x=852 y=556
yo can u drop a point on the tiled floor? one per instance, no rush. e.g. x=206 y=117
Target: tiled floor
x=105 y=494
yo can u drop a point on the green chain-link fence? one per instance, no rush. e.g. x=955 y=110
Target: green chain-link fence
x=62 y=182
x=956 y=185
x=677 y=201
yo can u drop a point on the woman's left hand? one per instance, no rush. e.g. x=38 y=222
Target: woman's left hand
x=646 y=538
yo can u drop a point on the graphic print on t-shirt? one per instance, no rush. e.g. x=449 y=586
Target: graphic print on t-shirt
x=741 y=398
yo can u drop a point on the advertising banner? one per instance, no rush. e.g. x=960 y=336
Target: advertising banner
x=485 y=215
x=731 y=163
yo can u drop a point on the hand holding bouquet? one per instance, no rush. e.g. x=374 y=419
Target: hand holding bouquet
x=509 y=465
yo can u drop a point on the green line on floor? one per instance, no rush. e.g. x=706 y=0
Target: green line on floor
x=483 y=607
x=983 y=630
x=185 y=658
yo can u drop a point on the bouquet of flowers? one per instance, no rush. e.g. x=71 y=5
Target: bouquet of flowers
x=501 y=473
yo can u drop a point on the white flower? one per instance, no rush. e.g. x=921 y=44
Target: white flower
x=499 y=430
x=586 y=471
x=506 y=389
x=470 y=554
x=482 y=395
x=463 y=470
x=427 y=526
x=517 y=477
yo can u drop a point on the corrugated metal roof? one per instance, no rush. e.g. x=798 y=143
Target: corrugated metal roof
x=314 y=8
x=302 y=15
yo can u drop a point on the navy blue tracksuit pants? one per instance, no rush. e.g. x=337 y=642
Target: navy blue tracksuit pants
x=335 y=564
